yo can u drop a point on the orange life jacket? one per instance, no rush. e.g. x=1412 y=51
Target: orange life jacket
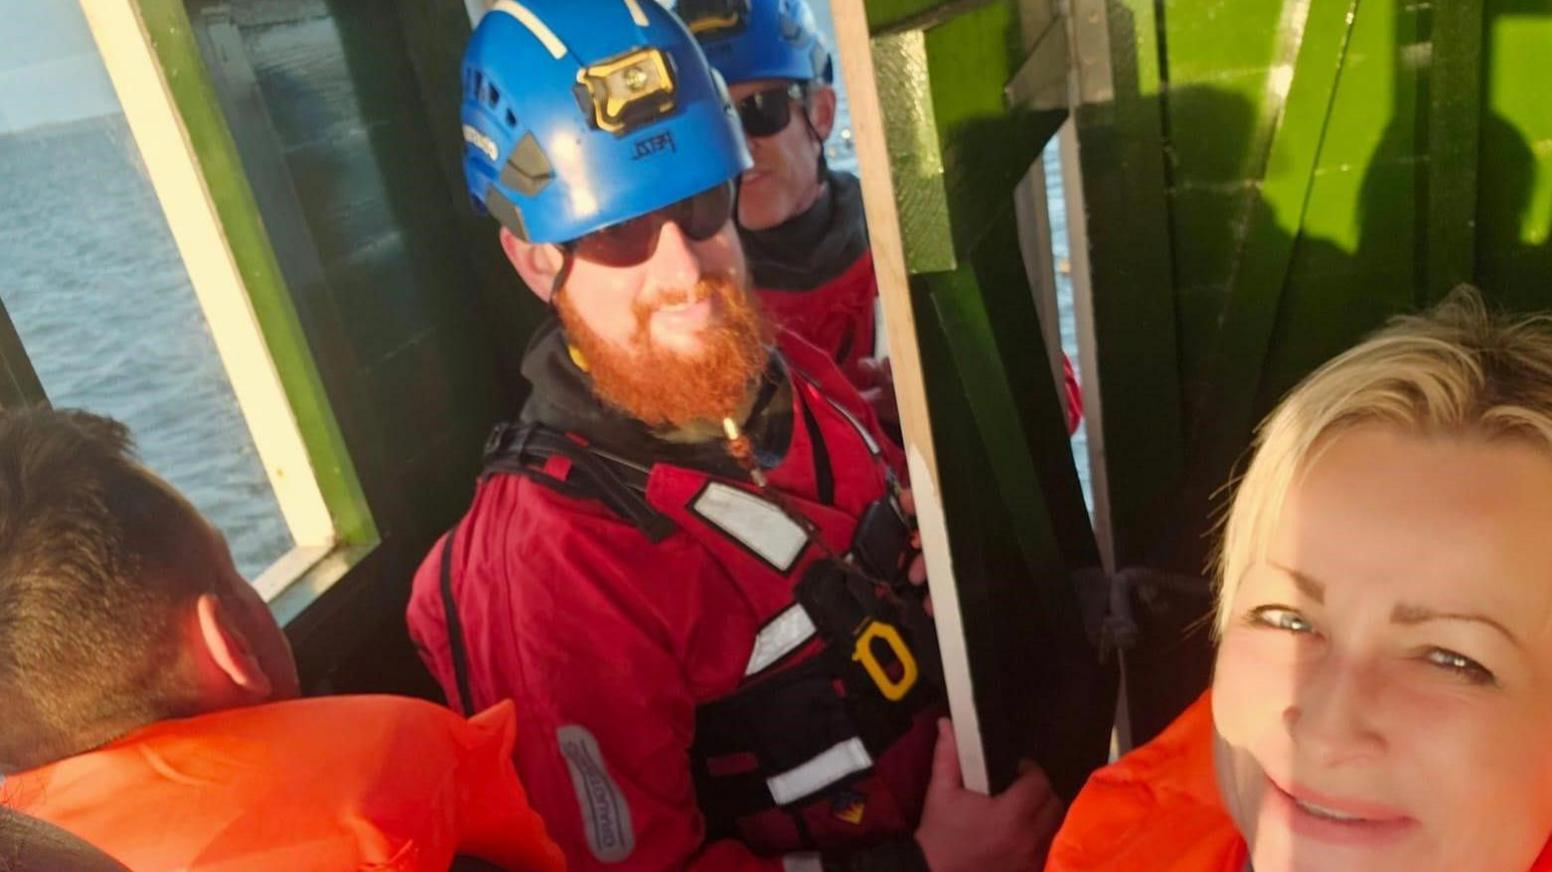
x=334 y=783
x=1157 y=809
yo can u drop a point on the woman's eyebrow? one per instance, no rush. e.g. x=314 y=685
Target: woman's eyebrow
x=1306 y=585
x=1403 y=613
x=1410 y=614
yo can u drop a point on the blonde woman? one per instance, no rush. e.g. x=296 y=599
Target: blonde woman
x=1382 y=698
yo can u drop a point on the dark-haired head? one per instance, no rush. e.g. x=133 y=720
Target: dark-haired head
x=119 y=604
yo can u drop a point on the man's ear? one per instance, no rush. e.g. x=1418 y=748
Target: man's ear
x=537 y=264
x=228 y=648
x=821 y=111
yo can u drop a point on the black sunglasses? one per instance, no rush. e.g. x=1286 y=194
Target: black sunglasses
x=768 y=112
x=633 y=241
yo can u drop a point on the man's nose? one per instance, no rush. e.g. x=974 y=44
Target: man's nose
x=675 y=264
x=756 y=145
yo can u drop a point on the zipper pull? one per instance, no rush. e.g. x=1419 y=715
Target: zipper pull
x=742 y=451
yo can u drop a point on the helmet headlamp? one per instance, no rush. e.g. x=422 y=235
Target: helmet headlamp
x=712 y=19
x=629 y=91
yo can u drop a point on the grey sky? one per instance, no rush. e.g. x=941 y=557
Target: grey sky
x=50 y=71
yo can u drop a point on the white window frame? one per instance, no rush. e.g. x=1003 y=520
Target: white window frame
x=186 y=201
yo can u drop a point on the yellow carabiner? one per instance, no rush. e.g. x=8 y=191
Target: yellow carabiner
x=894 y=691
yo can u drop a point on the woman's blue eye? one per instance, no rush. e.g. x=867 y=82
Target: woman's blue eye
x=1280 y=618
x=1460 y=664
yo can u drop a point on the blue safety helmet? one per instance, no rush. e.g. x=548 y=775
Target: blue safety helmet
x=749 y=40
x=580 y=115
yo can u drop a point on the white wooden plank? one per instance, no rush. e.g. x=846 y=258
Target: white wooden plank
x=175 y=174
x=851 y=29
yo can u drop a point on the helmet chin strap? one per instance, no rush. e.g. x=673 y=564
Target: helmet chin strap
x=568 y=259
x=824 y=165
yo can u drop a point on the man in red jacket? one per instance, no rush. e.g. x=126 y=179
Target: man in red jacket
x=688 y=562
x=149 y=695
x=801 y=223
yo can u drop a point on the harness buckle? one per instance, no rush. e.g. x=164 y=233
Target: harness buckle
x=892 y=689
x=508 y=438
x=881 y=545
x=496 y=442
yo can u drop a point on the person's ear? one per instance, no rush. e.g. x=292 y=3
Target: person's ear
x=228 y=647
x=821 y=111
x=538 y=265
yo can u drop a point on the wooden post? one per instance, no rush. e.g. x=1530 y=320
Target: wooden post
x=950 y=115
x=851 y=31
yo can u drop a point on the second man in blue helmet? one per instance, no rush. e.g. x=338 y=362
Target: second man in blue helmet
x=689 y=561
x=801 y=223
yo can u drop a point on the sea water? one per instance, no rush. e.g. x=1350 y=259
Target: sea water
x=95 y=286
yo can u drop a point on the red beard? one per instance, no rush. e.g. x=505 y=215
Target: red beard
x=666 y=389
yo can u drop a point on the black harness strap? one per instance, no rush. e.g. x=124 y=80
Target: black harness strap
x=845 y=349
x=455 y=641
x=789 y=717
x=519 y=450
x=620 y=485
x=824 y=474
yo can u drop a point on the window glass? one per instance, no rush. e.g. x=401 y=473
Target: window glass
x=94 y=283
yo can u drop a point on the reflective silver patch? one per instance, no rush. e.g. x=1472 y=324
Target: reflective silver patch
x=637 y=15
x=801 y=863
x=781 y=636
x=605 y=813
x=843 y=759
x=480 y=141
x=537 y=27
x=761 y=526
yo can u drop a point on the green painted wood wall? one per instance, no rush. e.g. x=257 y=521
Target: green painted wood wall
x=1325 y=164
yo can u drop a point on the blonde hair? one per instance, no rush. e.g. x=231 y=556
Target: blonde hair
x=1455 y=371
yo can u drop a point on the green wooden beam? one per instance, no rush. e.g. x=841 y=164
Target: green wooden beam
x=1000 y=327
x=986 y=146
x=1255 y=291
x=1040 y=691
x=957 y=151
x=19 y=384
x=915 y=152
x=172 y=36
x=895 y=16
x=1454 y=134
x=1514 y=184
x=1015 y=514
x=962 y=312
x=956 y=147
x=1125 y=220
